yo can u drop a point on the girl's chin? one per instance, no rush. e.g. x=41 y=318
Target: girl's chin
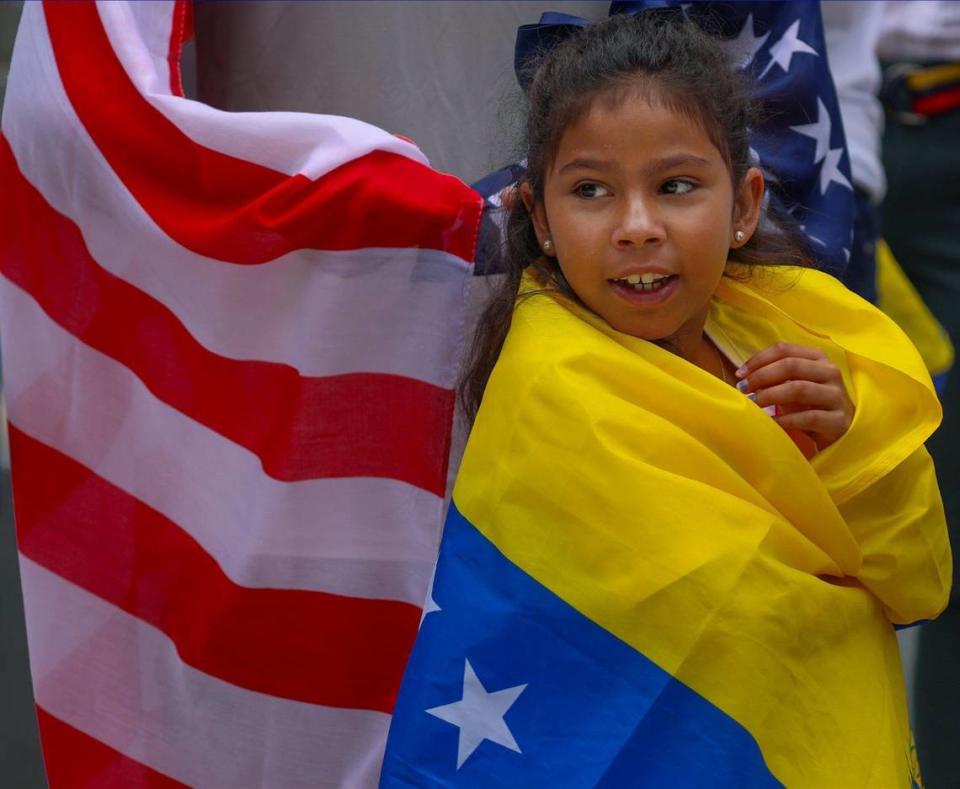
x=658 y=334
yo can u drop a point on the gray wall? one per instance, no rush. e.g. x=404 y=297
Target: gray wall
x=440 y=73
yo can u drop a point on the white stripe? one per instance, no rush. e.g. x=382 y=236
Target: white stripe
x=120 y=681
x=363 y=537
x=289 y=142
x=323 y=313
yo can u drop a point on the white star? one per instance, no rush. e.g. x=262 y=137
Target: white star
x=743 y=48
x=479 y=715
x=783 y=51
x=812 y=237
x=819 y=131
x=830 y=171
x=429 y=607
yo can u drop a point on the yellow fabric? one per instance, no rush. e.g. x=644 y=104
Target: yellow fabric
x=668 y=508
x=900 y=300
x=932 y=77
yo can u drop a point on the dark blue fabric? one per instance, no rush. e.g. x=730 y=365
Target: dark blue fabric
x=594 y=710
x=861 y=273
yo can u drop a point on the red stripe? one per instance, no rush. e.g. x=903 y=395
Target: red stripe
x=231 y=209
x=935 y=103
x=74 y=759
x=310 y=646
x=353 y=425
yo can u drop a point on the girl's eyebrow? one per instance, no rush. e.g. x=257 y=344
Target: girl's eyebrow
x=656 y=165
x=585 y=164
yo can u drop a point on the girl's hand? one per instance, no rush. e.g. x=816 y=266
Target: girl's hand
x=806 y=387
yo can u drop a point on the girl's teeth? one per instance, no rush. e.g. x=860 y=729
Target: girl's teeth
x=637 y=282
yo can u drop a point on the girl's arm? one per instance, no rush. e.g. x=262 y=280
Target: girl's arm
x=898 y=521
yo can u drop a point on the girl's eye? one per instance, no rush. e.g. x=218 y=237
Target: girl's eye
x=589 y=190
x=677 y=186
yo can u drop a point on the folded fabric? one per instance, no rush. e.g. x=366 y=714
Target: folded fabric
x=642 y=581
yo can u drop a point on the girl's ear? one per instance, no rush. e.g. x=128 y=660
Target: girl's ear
x=746 y=208
x=539 y=217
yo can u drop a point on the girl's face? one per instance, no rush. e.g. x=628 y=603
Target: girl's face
x=639 y=191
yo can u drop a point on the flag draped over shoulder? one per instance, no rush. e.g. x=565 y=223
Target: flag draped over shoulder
x=643 y=582
x=230 y=342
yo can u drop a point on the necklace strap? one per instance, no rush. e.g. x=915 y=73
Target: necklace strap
x=723 y=367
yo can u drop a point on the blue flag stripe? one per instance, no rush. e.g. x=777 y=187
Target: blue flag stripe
x=592 y=710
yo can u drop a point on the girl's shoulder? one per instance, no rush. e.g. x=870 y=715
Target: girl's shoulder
x=815 y=308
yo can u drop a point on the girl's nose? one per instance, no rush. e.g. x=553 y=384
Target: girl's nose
x=638 y=225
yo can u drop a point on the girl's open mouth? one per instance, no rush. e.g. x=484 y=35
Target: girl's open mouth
x=655 y=290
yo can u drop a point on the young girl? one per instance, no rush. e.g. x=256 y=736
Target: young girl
x=645 y=578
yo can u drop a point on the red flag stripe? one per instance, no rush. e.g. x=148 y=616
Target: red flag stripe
x=308 y=646
x=360 y=424
x=247 y=312
x=288 y=142
x=239 y=211
x=310 y=309
x=73 y=759
x=362 y=537
x=120 y=681
x=937 y=101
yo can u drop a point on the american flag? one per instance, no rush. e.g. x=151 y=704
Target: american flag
x=230 y=342
x=800 y=142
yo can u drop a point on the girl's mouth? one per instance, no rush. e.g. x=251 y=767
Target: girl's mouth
x=634 y=290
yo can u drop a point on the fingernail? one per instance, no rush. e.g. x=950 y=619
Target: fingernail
x=742 y=385
x=741 y=371
x=752 y=397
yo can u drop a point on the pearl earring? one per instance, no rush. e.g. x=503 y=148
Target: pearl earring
x=547 y=245
x=738 y=236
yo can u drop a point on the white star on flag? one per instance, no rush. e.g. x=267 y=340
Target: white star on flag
x=830 y=171
x=819 y=131
x=789 y=45
x=479 y=715
x=812 y=237
x=430 y=606
x=744 y=47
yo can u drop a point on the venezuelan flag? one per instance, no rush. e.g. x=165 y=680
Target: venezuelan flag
x=643 y=582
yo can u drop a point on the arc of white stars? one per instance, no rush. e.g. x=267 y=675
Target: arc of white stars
x=743 y=48
x=479 y=715
x=786 y=47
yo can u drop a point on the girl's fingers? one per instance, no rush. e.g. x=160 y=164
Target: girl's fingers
x=780 y=350
x=790 y=369
x=827 y=425
x=801 y=393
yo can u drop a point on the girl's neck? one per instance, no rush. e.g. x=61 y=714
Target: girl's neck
x=693 y=344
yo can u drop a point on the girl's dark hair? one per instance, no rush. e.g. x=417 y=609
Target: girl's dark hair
x=664 y=57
